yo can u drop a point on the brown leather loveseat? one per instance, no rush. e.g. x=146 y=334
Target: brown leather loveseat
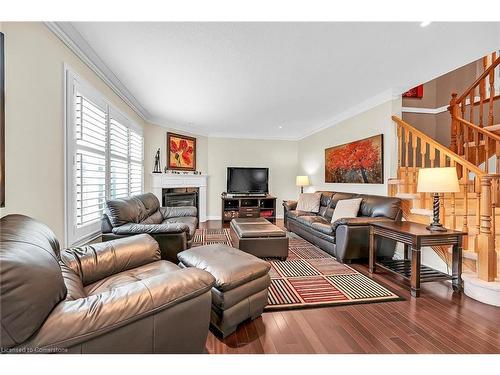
x=346 y=239
x=172 y=227
x=112 y=297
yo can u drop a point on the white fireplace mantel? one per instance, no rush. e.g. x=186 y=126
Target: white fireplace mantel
x=161 y=181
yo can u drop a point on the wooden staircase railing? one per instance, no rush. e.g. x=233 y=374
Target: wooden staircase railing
x=474 y=138
x=472 y=210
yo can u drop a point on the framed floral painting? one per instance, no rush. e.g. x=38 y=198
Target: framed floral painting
x=181 y=152
x=359 y=162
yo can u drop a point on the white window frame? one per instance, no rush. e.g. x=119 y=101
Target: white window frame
x=73 y=83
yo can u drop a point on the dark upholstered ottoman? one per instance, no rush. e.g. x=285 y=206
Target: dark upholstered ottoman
x=259 y=237
x=241 y=282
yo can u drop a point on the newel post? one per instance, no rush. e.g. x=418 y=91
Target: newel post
x=454 y=123
x=486 y=255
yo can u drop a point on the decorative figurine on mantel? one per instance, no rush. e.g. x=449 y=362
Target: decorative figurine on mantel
x=157 y=168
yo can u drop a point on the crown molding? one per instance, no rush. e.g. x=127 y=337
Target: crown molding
x=254 y=137
x=192 y=130
x=79 y=46
x=364 y=106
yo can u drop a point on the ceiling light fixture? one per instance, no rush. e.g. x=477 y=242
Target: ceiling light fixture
x=280 y=127
x=425 y=23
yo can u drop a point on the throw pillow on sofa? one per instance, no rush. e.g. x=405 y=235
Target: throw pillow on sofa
x=309 y=202
x=346 y=208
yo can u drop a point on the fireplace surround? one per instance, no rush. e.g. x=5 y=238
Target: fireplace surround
x=181 y=183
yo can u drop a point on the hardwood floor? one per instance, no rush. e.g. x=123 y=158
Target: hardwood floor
x=440 y=321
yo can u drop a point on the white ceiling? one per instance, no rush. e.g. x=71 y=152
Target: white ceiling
x=250 y=79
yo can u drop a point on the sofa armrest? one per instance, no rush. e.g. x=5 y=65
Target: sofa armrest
x=352 y=237
x=289 y=205
x=97 y=261
x=80 y=320
x=358 y=221
x=132 y=228
x=180 y=211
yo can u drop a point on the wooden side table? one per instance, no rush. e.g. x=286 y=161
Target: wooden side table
x=414 y=236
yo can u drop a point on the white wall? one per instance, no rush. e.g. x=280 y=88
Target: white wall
x=34 y=131
x=311 y=150
x=279 y=156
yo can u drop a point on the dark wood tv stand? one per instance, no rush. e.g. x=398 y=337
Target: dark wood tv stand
x=248 y=206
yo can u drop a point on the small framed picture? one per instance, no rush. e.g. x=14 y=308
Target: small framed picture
x=181 y=152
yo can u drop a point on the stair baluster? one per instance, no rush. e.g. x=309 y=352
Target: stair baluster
x=492 y=89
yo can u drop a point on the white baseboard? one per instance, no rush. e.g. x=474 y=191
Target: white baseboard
x=215 y=217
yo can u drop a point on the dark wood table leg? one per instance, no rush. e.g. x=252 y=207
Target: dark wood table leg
x=415 y=272
x=406 y=251
x=373 y=252
x=457 y=269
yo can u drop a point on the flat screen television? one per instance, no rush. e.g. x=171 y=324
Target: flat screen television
x=247 y=180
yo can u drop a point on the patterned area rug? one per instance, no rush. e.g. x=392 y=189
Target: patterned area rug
x=309 y=277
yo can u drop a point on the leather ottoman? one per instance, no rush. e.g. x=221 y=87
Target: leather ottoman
x=241 y=282
x=259 y=237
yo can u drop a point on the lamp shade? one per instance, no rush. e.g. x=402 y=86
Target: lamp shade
x=438 y=180
x=302 y=181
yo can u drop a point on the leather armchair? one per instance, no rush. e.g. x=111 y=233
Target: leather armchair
x=112 y=297
x=172 y=227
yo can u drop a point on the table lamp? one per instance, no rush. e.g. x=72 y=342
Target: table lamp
x=437 y=181
x=302 y=181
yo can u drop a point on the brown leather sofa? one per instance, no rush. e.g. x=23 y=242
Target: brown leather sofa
x=172 y=227
x=112 y=297
x=346 y=239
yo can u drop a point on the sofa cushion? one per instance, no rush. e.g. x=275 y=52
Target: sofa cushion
x=326 y=198
x=150 y=202
x=309 y=202
x=309 y=220
x=313 y=231
x=32 y=283
x=377 y=206
x=117 y=280
x=163 y=228
x=295 y=214
x=125 y=210
x=324 y=227
x=178 y=211
x=346 y=208
x=155 y=218
x=341 y=196
x=191 y=222
x=97 y=261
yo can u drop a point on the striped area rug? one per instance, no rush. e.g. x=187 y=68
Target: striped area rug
x=309 y=277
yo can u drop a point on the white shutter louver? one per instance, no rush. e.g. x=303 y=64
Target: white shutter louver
x=136 y=162
x=119 y=150
x=90 y=160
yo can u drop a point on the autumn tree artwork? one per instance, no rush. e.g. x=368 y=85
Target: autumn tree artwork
x=356 y=162
x=181 y=152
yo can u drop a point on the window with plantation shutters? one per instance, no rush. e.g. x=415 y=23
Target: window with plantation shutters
x=104 y=158
x=91 y=140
